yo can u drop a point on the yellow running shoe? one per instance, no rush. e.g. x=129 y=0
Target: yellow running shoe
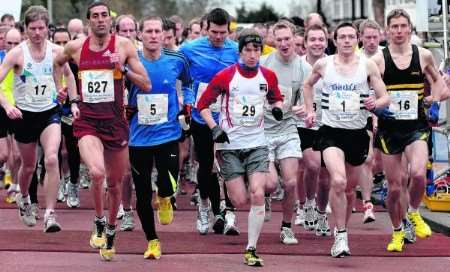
x=251 y=259
x=107 y=254
x=165 y=211
x=7 y=179
x=11 y=198
x=98 y=236
x=153 y=250
x=396 y=244
x=422 y=228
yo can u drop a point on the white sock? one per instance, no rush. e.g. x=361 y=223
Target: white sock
x=255 y=224
x=48 y=212
x=411 y=209
x=310 y=202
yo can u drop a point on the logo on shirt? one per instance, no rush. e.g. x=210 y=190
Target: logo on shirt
x=29 y=65
x=263 y=87
x=415 y=73
x=107 y=53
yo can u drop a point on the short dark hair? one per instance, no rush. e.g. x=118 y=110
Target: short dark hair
x=61 y=30
x=395 y=13
x=218 y=16
x=342 y=25
x=249 y=35
x=149 y=18
x=94 y=4
x=35 y=13
x=7 y=16
x=169 y=25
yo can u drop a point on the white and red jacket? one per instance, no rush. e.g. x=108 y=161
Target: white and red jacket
x=243 y=94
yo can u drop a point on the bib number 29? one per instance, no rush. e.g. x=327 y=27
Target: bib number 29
x=97 y=86
x=248 y=110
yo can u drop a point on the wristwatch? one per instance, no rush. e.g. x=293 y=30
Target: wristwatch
x=124 y=69
x=75 y=100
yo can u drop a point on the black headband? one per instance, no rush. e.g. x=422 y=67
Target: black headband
x=252 y=38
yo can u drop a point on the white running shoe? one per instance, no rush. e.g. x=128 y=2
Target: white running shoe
x=322 y=227
x=50 y=224
x=340 y=246
x=61 y=191
x=203 y=219
x=120 y=213
x=300 y=217
x=310 y=217
x=73 y=199
x=369 y=215
x=127 y=221
x=268 y=208
x=230 y=224
x=287 y=236
x=25 y=213
x=35 y=210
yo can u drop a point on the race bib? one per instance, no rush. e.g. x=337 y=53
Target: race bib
x=152 y=108
x=215 y=107
x=97 y=86
x=248 y=110
x=286 y=92
x=404 y=104
x=344 y=105
x=40 y=91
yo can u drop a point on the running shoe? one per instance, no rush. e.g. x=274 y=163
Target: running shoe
x=410 y=231
x=340 y=246
x=153 y=250
x=98 y=237
x=322 y=227
x=127 y=221
x=25 y=213
x=268 y=208
x=73 y=199
x=251 y=259
x=287 y=236
x=219 y=224
x=108 y=251
x=50 y=224
x=422 y=228
x=165 y=211
x=203 y=219
x=310 y=217
x=195 y=197
x=230 y=224
x=35 y=210
x=61 y=191
x=396 y=244
x=300 y=217
x=369 y=215
x=120 y=212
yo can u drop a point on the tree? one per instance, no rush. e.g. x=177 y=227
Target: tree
x=264 y=14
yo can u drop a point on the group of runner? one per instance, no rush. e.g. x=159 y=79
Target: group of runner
x=128 y=97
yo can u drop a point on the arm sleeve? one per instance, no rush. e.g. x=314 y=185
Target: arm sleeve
x=273 y=92
x=186 y=82
x=216 y=87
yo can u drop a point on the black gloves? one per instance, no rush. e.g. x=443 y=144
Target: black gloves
x=219 y=136
x=277 y=113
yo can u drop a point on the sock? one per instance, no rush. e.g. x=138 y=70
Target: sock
x=411 y=209
x=367 y=201
x=127 y=209
x=110 y=234
x=266 y=195
x=301 y=204
x=342 y=231
x=204 y=203
x=255 y=223
x=48 y=212
x=310 y=202
x=399 y=228
x=285 y=225
x=320 y=212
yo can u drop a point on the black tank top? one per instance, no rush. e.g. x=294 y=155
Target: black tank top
x=409 y=79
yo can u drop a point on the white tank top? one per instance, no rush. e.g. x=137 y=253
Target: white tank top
x=342 y=96
x=242 y=116
x=34 y=88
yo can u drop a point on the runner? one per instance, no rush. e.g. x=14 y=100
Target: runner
x=282 y=137
x=343 y=140
x=241 y=90
x=315 y=179
x=154 y=129
x=207 y=56
x=103 y=59
x=405 y=68
x=36 y=114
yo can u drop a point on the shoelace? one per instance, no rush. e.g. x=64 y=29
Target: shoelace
x=288 y=233
x=27 y=209
x=322 y=222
